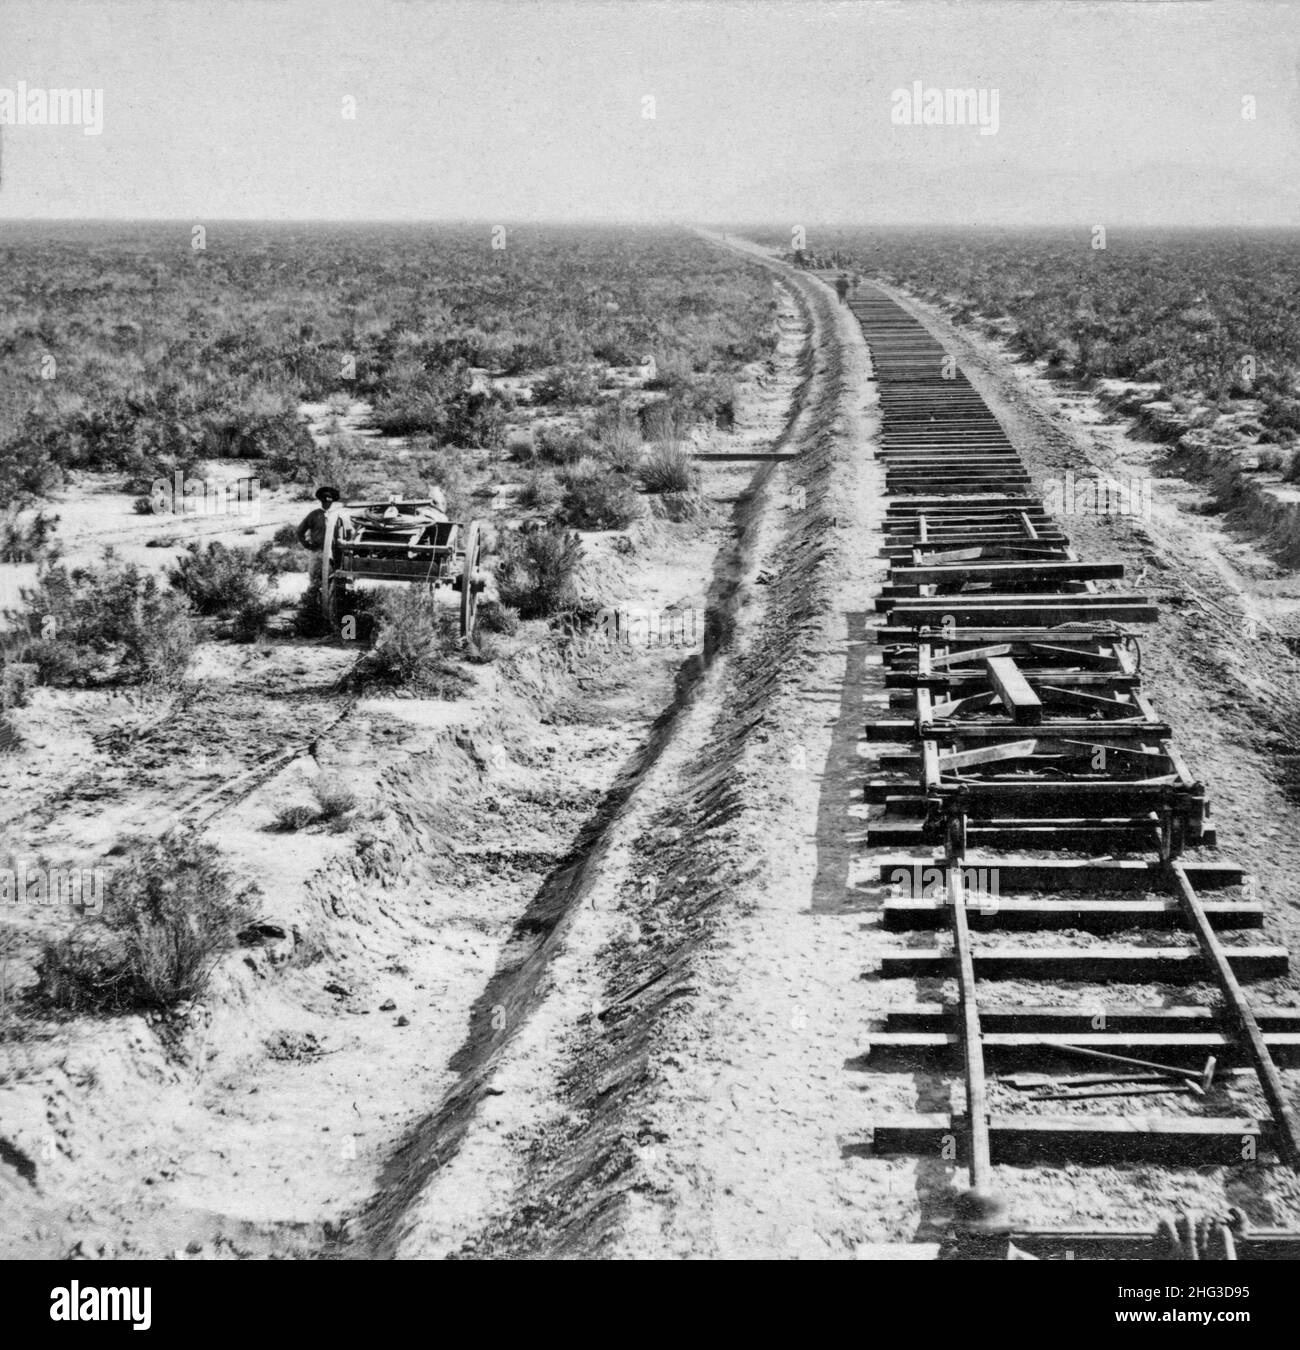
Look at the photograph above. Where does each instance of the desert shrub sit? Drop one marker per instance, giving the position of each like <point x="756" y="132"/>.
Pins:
<point x="10" y="740"/>
<point x="250" y="619"/>
<point x="16" y="681"/>
<point x="415" y="641"/>
<point x="309" y="619"/>
<point x="411" y="412"/>
<point x="336" y="462"/>
<point x="286" y="537"/>
<point x="25" y="473"/>
<point x="243" y="433"/>
<point x="445" y="405"/>
<point x="272" y="557"/>
<point x="595" y="498"/>
<point x="668" y="468"/>
<point x="1281" y="413"/>
<point x="619" y="444"/>
<point x="113" y="623"/>
<point x="28" y="538"/>
<point x="291" y="818"/>
<point x="567" y="386"/>
<point x="536" y="570"/>
<point x="494" y="617"/>
<point x="562" y="445"/>
<point x="170" y="913"/>
<point x="540" y="491"/>
<point x="218" y="579"/>
<point x="334" y="800"/>
<point x="446" y="469"/>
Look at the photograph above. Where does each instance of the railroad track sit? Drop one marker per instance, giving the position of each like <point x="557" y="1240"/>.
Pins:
<point x="1037" y="789"/>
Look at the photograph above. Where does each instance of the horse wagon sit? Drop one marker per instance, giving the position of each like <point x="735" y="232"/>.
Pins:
<point x="410" y="541"/>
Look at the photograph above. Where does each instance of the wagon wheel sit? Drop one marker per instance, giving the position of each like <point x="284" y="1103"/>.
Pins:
<point x="332" y="587"/>
<point x="470" y="581"/>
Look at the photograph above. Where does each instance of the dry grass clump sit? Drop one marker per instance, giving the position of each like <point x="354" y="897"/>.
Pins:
<point x="170" y="914"/>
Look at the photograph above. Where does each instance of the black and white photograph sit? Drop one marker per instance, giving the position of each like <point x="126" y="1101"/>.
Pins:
<point x="649" y="630"/>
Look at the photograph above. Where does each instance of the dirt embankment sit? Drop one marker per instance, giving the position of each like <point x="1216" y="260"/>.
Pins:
<point x="615" y="1131"/>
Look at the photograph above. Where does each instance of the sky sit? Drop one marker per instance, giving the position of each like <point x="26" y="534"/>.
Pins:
<point x="655" y="110"/>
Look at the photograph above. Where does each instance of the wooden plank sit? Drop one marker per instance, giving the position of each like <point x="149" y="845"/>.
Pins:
<point x="1013" y="689"/>
<point x="1014" y="612"/>
<point x="1093" y="964"/>
<point x="1068" y="1023"/>
<point x="1096" y="660"/>
<point x="894" y="634"/>
<point x="1092" y="1139"/>
<point x="970" y="654"/>
<point x="1040" y="1047"/>
<point x="1055" y="694"/>
<point x="986" y="754"/>
<point x="977" y="1124"/>
<point x="967" y="703"/>
<point x="1221" y="959"/>
<point x="1139" y="1245"/>
<point x="1053" y="874"/>
<point x="1092" y="916"/>
<point x="1034" y="599"/>
<point x="1137" y="752"/>
<point x="1047" y="570"/>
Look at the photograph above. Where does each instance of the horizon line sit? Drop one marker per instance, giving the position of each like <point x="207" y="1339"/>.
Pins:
<point x="635" y="223"/>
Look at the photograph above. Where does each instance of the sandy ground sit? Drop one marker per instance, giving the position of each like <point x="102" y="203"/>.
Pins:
<point x="269" y="1119"/>
<point x="593" y="973"/>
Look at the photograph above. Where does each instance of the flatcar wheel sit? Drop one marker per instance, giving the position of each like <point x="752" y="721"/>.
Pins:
<point x="469" y="580"/>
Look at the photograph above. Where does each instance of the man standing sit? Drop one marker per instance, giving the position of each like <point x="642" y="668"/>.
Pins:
<point x="842" y="286"/>
<point x="311" y="533"/>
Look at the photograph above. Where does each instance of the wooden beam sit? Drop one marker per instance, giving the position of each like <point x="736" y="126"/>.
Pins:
<point x="970" y="654"/>
<point x="1137" y="1245"/>
<point x="986" y="754"/>
<point x="1093" y="964"/>
<point x="1013" y="689"/>
<point x="1114" y="1138"/>
<point x="981" y="1171"/>
<point x="1036" y="1048"/>
<point x="1010" y="611"/>
<point x="1090" y="916"/>
<point x="1047" y="570"/>
<point x="1284" y="1118"/>
<point x="1052" y="874"/>
<point x="1068" y="1022"/>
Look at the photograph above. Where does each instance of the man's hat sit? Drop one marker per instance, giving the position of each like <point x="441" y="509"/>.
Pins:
<point x="324" y="492"/>
<point x="981" y="1214"/>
